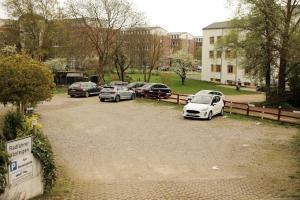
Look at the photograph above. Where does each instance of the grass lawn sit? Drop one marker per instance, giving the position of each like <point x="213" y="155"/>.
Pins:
<point x="191" y="86"/>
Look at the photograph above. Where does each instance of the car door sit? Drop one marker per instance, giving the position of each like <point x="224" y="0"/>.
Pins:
<point x="217" y="105"/>
<point x="121" y="92"/>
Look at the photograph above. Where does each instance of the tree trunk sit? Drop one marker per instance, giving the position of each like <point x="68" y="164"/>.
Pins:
<point x="182" y="80"/>
<point x="101" y="72"/>
<point x="149" y="74"/>
<point x="122" y="75"/>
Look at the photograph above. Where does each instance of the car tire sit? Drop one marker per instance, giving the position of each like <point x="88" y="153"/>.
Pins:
<point x="222" y="112"/>
<point x="117" y="99"/>
<point x="209" y="117"/>
<point x="132" y="97"/>
<point x="86" y="94"/>
<point x="102" y="100"/>
<point x="72" y="96"/>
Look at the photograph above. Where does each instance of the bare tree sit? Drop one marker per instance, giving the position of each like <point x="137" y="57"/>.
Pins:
<point x="102" y="21"/>
<point x="35" y="24"/>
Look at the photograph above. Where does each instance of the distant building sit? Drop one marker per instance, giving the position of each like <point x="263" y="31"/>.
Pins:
<point x="182" y="41"/>
<point x="220" y="64"/>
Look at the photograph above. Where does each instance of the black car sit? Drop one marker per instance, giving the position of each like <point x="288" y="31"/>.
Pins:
<point x="134" y="85"/>
<point x="154" y="90"/>
<point x="84" y="89"/>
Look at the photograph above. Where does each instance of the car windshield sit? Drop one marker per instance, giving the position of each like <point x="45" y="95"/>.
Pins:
<point x="131" y="85"/>
<point x="147" y="86"/>
<point x="202" y="99"/>
<point x="79" y="85"/>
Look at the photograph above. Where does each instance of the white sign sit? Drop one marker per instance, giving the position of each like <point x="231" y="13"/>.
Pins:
<point x="20" y="169"/>
<point x="19" y="148"/>
<point x="21" y="160"/>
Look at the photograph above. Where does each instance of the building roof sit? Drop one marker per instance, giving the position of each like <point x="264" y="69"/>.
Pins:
<point x="218" y="25"/>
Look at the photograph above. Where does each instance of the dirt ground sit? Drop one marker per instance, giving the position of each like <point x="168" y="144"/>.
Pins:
<point x="131" y="150"/>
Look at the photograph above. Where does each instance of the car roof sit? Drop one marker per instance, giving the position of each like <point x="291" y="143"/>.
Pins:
<point x="208" y="91"/>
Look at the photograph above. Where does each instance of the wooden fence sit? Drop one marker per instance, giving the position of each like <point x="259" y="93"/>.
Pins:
<point x="278" y="114"/>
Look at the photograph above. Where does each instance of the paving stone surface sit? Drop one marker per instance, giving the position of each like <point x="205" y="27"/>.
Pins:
<point x="130" y="150"/>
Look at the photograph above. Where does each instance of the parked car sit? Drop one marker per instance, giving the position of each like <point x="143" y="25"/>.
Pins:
<point x="85" y="89"/>
<point x="154" y="90"/>
<point x="121" y="83"/>
<point x="134" y="85"/>
<point x="204" y="106"/>
<point x="190" y="97"/>
<point x="116" y="93"/>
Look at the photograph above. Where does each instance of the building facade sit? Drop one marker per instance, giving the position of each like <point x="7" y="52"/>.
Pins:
<point x="221" y="64"/>
<point x="182" y="41"/>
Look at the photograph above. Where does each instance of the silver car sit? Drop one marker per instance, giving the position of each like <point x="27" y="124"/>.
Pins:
<point x="116" y="93"/>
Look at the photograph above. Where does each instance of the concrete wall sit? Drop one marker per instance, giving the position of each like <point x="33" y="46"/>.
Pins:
<point x="28" y="189"/>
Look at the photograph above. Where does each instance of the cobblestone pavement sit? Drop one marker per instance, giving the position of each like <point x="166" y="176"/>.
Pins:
<point x="131" y="150"/>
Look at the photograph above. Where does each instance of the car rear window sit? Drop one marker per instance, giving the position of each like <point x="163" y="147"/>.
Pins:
<point x="108" y="89"/>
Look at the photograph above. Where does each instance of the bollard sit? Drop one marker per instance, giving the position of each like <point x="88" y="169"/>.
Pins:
<point x="230" y="107"/>
<point x="279" y="113"/>
<point x="263" y="112"/>
<point x="248" y="109"/>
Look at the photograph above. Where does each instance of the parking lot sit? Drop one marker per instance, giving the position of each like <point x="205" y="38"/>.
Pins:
<point x="136" y="150"/>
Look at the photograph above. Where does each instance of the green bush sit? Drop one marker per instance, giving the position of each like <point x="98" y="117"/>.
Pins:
<point x="18" y="126"/>
<point x="13" y="122"/>
<point x="41" y="149"/>
<point x="3" y="163"/>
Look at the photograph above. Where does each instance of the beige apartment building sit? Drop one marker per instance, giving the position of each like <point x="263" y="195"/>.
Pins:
<point x="219" y="64"/>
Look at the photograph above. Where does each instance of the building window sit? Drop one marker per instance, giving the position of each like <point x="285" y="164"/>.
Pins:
<point x="219" y="54"/>
<point x="218" y="68"/>
<point x="212" y="40"/>
<point x="217" y="80"/>
<point x="211" y="54"/>
<point x="230" y="69"/>
<point x="212" y="79"/>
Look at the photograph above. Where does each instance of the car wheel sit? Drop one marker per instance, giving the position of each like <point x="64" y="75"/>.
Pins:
<point x="132" y="97"/>
<point x="209" y="115"/>
<point x="117" y="99"/>
<point x="222" y="112"/>
<point x="102" y="100"/>
<point x="72" y="96"/>
<point x="86" y="94"/>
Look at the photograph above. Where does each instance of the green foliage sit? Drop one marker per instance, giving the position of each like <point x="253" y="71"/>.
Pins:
<point x="24" y="81"/>
<point x="165" y="78"/>
<point x="13" y="121"/>
<point x="3" y="163"/>
<point x="41" y="149"/>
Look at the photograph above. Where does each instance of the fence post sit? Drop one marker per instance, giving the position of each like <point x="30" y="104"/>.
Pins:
<point x="248" y="109"/>
<point x="279" y="113"/>
<point x="178" y="101"/>
<point x="230" y="107"/>
<point x="263" y="112"/>
<point x="158" y="95"/>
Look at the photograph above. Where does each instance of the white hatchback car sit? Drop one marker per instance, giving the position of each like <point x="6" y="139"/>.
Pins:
<point x="204" y="106"/>
<point x="213" y="92"/>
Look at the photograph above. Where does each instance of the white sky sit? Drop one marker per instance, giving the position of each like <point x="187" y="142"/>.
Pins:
<point x="179" y="15"/>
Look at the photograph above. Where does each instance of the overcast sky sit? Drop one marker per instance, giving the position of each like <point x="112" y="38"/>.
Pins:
<point x="179" y="15"/>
